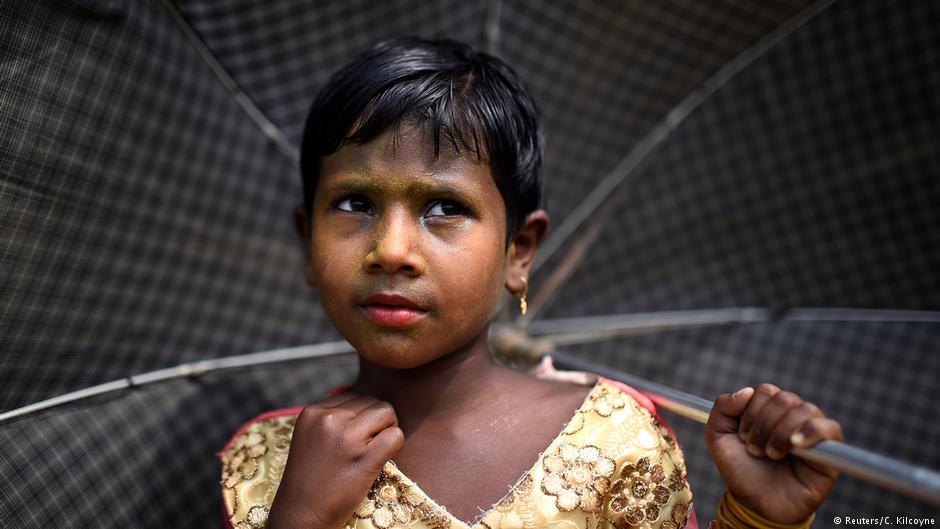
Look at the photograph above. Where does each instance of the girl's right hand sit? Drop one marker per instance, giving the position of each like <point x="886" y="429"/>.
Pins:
<point x="338" y="448"/>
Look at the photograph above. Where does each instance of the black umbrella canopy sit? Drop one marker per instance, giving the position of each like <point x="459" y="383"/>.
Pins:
<point x="149" y="172"/>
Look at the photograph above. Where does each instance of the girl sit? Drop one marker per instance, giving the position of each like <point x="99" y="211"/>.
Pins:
<point x="421" y="165"/>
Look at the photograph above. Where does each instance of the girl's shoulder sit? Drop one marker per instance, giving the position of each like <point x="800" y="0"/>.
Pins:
<point x="617" y="459"/>
<point x="253" y="462"/>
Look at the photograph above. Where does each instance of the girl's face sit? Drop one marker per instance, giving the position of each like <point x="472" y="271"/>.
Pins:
<point x="408" y="249"/>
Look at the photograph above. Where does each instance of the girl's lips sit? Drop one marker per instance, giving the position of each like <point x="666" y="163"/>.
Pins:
<point x="392" y="315"/>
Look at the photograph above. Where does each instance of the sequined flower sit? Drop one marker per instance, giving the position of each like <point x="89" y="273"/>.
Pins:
<point x="604" y="401"/>
<point x="577" y="477"/>
<point x="677" y="480"/>
<point x="389" y="501"/>
<point x="638" y="494"/>
<point x="678" y="516"/>
<point x="284" y="433"/>
<point x="257" y="518"/>
<point x="242" y="462"/>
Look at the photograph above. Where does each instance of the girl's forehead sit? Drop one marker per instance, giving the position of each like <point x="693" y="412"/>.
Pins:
<point x="405" y="162"/>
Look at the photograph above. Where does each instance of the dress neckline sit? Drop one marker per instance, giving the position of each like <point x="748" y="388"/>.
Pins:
<point x="393" y="468"/>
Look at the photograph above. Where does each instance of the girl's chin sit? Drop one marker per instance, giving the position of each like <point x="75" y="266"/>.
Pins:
<point x="395" y="355"/>
<point x="387" y="361"/>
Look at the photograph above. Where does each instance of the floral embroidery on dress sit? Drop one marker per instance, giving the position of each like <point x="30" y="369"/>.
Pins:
<point x="250" y="465"/>
<point x="604" y="401"/>
<point x="638" y="494"/>
<point x="390" y="500"/>
<point x="577" y="477"/>
<point x="520" y="489"/>
<point x="433" y="515"/>
<point x="284" y="433"/>
<point x="678" y="516"/>
<point x="575" y="425"/>
<point x="677" y="480"/>
<point x="242" y="463"/>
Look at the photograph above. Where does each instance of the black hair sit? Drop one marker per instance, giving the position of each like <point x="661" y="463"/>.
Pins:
<point x="473" y="99"/>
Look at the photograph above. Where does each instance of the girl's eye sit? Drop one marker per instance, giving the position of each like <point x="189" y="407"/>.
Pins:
<point x="356" y="204"/>
<point x="446" y="208"/>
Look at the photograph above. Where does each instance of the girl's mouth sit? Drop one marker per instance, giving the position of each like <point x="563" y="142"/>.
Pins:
<point x="392" y="315"/>
<point x="392" y="310"/>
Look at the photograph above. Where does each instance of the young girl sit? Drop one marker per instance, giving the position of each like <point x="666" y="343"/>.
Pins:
<point x="421" y="165"/>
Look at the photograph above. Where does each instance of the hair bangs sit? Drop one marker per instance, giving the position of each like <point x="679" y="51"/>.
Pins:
<point x="467" y="101"/>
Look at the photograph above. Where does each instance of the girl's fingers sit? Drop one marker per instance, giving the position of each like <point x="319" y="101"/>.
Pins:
<point x="762" y="395"/>
<point x="337" y="400"/>
<point x="726" y="410"/>
<point x="778" y="442"/>
<point x="372" y="420"/>
<point x="815" y="430"/>
<point x="357" y="404"/>
<point x="766" y="419"/>
<point x="383" y="447"/>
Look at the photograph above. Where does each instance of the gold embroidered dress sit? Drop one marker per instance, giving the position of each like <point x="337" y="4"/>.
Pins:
<point x="614" y="466"/>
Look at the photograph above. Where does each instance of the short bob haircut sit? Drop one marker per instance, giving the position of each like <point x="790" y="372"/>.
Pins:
<point x="474" y="100"/>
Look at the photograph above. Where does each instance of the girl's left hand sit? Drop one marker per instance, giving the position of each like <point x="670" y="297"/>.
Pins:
<point x="750" y="433"/>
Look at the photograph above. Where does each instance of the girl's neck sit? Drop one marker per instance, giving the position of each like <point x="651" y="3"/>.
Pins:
<point x="459" y="383"/>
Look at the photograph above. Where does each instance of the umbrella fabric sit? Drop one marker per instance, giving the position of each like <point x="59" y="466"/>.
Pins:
<point x="811" y="179"/>
<point x="144" y="458"/>
<point x="146" y="219"/>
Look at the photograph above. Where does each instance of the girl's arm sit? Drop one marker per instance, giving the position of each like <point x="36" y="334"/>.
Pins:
<point x="750" y="434"/>
<point x="338" y="448"/>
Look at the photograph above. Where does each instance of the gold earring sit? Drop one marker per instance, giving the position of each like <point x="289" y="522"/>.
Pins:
<point x="525" y="290"/>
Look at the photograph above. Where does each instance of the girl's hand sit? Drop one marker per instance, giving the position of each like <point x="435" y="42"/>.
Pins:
<point x="338" y="448"/>
<point x="750" y="433"/>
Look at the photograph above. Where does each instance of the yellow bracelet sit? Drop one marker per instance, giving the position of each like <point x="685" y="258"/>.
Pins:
<point x="733" y="515"/>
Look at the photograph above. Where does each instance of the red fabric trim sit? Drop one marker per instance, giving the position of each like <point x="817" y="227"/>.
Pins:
<point x="339" y="390"/>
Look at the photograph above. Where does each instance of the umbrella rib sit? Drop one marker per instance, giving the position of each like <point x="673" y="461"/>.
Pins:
<point x="188" y="370"/>
<point x="589" y="329"/>
<point x="640" y="153"/>
<point x="268" y="128"/>
<point x="568" y="331"/>
<point x="494" y="10"/>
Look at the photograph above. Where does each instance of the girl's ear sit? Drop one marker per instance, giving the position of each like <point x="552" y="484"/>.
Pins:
<point x="302" y="227"/>
<point x="522" y="249"/>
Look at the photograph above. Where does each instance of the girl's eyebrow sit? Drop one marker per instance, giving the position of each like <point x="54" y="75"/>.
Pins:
<point x="416" y="189"/>
<point x="361" y="186"/>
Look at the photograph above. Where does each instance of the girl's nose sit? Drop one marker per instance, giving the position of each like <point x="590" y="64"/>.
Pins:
<point x="393" y="249"/>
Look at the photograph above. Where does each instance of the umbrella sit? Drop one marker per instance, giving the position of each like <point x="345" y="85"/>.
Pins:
<point x="772" y="159"/>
